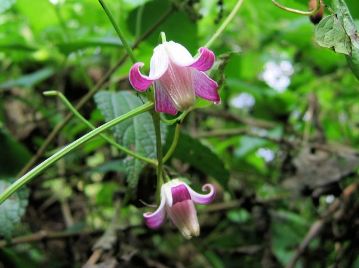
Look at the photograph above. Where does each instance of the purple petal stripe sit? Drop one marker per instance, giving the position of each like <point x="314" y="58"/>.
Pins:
<point x="163" y="101"/>
<point x="139" y="81"/>
<point x="203" y="199"/>
<point x="180" y="193"/>
<point x="205" y="60"/>
<point x="205" y="87"/>
<point x="154" y="220"/>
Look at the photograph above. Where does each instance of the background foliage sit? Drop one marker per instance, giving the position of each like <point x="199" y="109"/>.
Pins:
<point x="281" y="147"/>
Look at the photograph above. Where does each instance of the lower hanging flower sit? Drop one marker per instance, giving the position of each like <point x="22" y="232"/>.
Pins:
<point x="177" y="201"/>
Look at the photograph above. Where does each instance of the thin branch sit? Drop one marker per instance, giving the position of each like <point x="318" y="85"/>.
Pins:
<point x="318" y="225"/>
<point x="46" y="235"/>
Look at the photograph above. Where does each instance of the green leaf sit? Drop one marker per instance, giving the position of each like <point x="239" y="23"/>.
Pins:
<point x="137" y="133"/>
<point x="192" y="151"/>
<point x="29" y="80"/>
<point x="331" y="34"/>
<point x="68" y="47"/>
<point x="338" y="31"/>
<point x="12" y="209"/>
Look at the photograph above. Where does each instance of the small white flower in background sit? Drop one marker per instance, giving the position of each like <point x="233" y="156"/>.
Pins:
<point x="266" y="154"/>
<point x="57" y="2"/>
<point x="277" y="74"/>
<point x="329" y="199"/>
<point x="242" y="101"/>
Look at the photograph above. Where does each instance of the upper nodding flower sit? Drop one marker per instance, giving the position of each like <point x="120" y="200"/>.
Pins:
<point x="177" y="200"/>
<point x="177" y="76"/>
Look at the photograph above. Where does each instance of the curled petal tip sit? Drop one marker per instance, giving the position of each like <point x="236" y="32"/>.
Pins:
<point x="203" y="199"/>
<point x="138" y="80"/>
<point x="205" y="60"/>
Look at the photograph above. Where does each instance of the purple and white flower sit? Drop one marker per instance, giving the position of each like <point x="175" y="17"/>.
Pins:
<point x="177" y="201"/>
<point x="177" y="77"/>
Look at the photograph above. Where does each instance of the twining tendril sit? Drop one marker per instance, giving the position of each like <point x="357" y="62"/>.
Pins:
<point x="296" y="11"/>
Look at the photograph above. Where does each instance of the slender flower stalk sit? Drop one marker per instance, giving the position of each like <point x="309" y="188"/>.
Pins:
<point x="225" y="23"/>
<point x="104" y="136"/>
<point x="69" y="148"/>
<point x="118" y="30"/>
<point x="177" y="201"/>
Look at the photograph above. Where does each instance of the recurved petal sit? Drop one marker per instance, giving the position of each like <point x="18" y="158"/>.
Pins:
<point x="203" y="199"/>
<point x="139" y="81"/>
<point x="204" y="61"/>
<point x="205" y="87"/>
<point x="163" y="101"/>
<point x="155" y="219"/>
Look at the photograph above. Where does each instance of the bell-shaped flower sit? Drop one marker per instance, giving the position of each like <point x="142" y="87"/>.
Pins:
<point x="177" y="77"/>
<point x="177" y="201"/>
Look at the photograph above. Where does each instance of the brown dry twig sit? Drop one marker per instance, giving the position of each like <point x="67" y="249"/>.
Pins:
<point x="318" y="225"/>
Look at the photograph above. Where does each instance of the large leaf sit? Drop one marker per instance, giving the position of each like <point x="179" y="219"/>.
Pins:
<point x="137" y="133"/>
<point x="330" y="34"/>
<point x="192" y="151"/>
<point x="12" y="209"/>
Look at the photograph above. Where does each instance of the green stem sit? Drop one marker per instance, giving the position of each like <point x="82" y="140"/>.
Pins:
<point x="163" y="37"/>
<point x="178" y="119"/>
<point x="174" y="143"/>
<point x="104" y="136"/>
<point x="225" y="23"/>
<point x="156" y="123"/>
<point x="299" y="12"/>
<point x="67" y="149"/>
<point x="118" y="31"/>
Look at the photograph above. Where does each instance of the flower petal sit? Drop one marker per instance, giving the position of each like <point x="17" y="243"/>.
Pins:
<point x="179" y="194"/>
<point x="205" y="87"/>
<point x="179" y="54"/>
<point x="163" y="101"/>
<point x="158" y="66"/>
<point x="159" y="62"/>
<point x="184" y="216"/>
<point x="139" y="81"/>
<point x="155" y="219"/>
<point x="205" y="60"/>
<point x="203" y="199"/>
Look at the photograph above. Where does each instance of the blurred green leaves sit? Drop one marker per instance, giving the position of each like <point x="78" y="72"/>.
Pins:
<point x="13" y="155"/>
<point x="192" y="151"/>
<point x="29" y="80"/>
